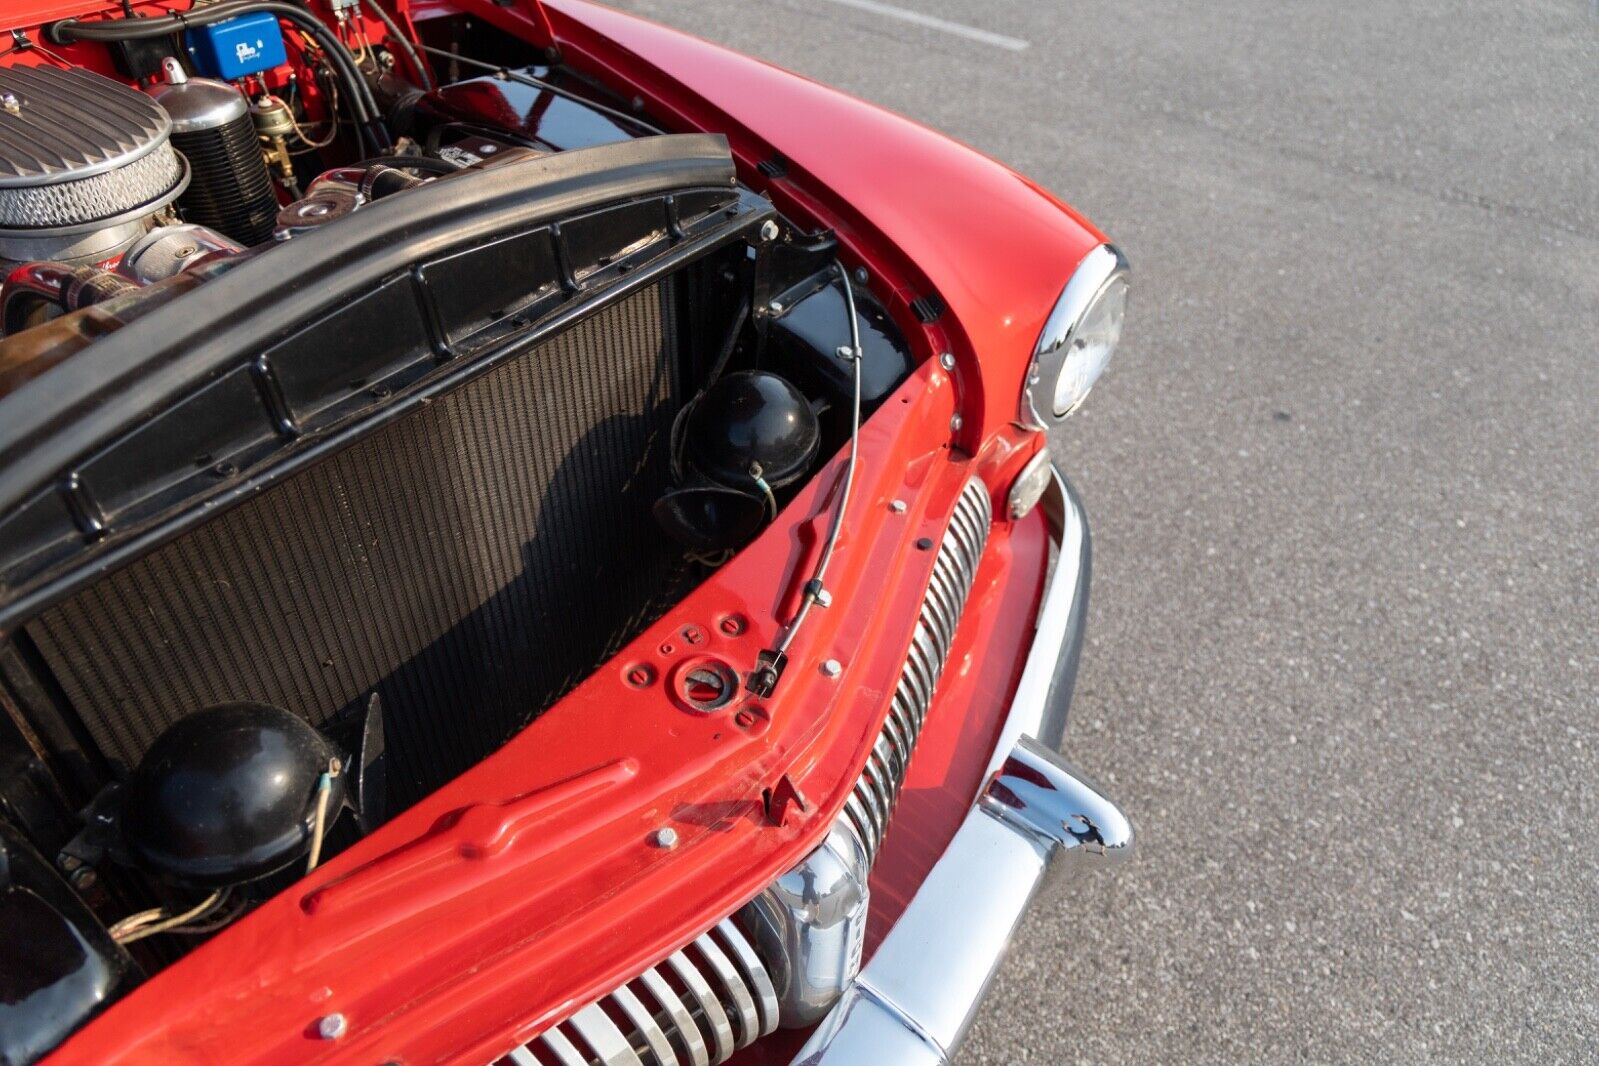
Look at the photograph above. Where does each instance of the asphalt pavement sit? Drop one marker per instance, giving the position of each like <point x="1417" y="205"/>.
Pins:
<point x="1343" y="479"/>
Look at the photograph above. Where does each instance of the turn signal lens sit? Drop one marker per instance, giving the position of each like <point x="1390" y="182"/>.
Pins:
<point x="1029" y="486"/>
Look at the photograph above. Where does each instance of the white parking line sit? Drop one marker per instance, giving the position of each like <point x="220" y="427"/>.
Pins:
<point x="971" y="33"/>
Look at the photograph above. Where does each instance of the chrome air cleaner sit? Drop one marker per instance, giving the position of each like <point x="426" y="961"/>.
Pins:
<point x="84" y="162"/>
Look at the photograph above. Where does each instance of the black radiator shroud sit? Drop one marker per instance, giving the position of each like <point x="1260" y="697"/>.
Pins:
<point x="470" y="562"/>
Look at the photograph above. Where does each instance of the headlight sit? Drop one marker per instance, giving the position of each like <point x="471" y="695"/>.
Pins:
<point x="1078" y="339"/>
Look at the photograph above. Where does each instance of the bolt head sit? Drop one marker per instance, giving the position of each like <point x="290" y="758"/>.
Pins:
<point x="831" y="668"/>
<point x="775" y="307"/>
<point x="956" y="422"/>
<point x="824" y="598"/>
<point x="947" y="361"/>
<point x="665" y="837"/>
<point x="845" y="352"/>
<point x="861" y="276"/>
<point x="331" y="1026"/>
<point x="897" y="506"/>
<point x="769" y="231"/>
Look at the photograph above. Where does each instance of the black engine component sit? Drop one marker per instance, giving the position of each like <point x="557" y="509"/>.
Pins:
<point x="803" y="343"/>
<point x="60" y="967"/>
<point x="228" y="795"/>
<point x="751" y="425"/>
<point x="230" y="190"/>
<point x="746" y="436"/>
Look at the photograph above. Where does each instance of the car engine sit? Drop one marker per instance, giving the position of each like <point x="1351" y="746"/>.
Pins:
<point x="353" y="409"/>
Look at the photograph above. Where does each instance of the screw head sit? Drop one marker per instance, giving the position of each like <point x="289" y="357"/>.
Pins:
<point x="955" y="422"/>
<point x="947" y="360"/>
<point x="331" y="1026"/>
<point x="831" y="668"/>
<point x="768" y="231"/>
<point x="897" y="506"/>
<point x="665" y="837"/>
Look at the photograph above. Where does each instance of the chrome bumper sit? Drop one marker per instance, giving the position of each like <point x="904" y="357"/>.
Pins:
<point x="1035" y="817"/>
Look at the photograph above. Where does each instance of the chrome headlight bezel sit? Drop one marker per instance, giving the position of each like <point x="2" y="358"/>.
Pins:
<point x="1102" y="270"/>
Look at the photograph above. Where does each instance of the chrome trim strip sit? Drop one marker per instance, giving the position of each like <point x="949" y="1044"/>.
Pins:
<point x="1034" y="817"/>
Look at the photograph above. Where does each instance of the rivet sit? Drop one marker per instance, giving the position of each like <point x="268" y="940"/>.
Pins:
<point x="832" y="668"/>
<point x="947" y="361"/>
<point x="898" y="506"/>
<point x="665" y="837"/>
<point x="331" y="1026"/>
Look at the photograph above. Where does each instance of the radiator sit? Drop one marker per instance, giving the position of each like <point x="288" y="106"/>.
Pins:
<point x="470" y="563"/>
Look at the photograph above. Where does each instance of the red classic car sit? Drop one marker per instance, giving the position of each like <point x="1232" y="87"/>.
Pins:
<point x="525" y="536"/>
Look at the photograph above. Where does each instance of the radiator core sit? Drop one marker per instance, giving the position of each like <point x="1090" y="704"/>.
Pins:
<point x="470" y="562"/>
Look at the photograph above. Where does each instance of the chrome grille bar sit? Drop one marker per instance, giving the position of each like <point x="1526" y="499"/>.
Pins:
<point x="954" y="569"/>
<point x="695" y="1008"/>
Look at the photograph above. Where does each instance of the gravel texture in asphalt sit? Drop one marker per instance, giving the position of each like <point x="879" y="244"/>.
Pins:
<point x="1343" y="477"/>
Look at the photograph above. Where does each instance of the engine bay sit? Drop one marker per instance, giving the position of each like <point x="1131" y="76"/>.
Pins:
<point x="363" y="389"/>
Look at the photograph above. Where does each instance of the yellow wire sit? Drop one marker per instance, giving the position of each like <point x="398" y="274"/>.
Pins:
<point x="123" y="933"/>
<point x="324" y="786"/>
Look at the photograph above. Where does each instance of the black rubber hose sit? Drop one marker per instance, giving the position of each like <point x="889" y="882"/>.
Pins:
<point x="411" y="162"/>
<point x="402" y="42"/>
<point x="69" y="30"/>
